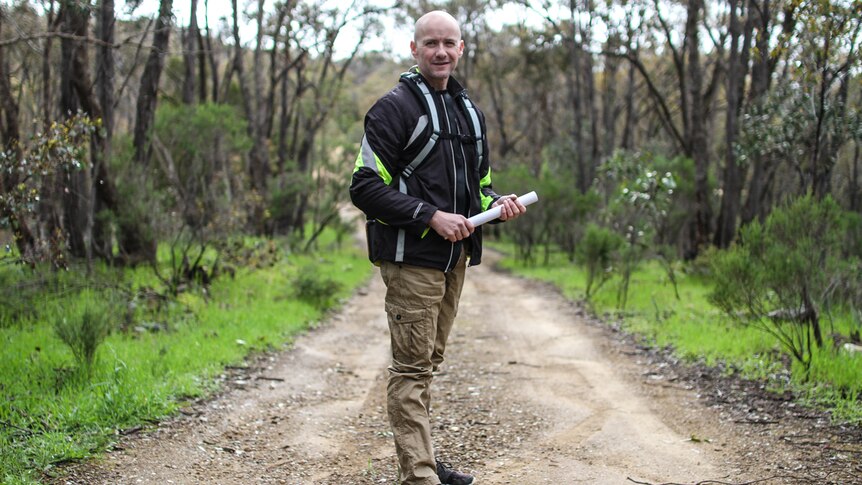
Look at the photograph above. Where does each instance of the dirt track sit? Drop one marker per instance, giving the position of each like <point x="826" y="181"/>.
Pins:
<point x="531" y="393"/>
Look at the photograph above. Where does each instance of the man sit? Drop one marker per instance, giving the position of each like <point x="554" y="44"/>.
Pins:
<point x="419" y="175"/>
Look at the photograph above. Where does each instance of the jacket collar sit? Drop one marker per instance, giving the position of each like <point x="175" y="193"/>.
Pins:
<point x="453" y="86"/>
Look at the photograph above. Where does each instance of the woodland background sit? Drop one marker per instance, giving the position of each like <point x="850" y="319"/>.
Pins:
<point x="122" y="133"/>
<point x="172" y="187"/>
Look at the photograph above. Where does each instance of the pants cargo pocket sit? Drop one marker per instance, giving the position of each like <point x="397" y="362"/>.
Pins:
<point x="410" y="332"/>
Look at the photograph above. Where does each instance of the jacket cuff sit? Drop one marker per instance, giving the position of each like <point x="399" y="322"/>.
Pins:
<point x="426" y="212"/>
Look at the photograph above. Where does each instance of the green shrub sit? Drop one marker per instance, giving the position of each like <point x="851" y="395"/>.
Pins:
<point x="84" y="326"/>
<point x="597" y="252"/>
<point x="315" y="289"/>
<point x="780" y="277"/>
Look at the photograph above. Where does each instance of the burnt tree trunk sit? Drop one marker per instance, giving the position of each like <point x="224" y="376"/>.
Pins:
<point x="136" y="244"/>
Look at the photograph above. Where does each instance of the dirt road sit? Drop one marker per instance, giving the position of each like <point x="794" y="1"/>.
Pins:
<point x="531" y="393"/>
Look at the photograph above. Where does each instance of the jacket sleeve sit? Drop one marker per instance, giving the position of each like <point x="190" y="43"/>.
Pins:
<point x="374" y="186"/>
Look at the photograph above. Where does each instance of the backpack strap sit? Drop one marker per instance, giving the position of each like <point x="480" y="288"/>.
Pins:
<point x="470" y="108"/>
<point x="420" y="88"/>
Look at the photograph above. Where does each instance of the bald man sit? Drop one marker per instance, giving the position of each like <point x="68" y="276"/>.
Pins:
<point x="422" y="170"/>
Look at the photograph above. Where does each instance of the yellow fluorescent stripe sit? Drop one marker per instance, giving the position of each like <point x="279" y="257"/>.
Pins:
<point x="381" y="170"/>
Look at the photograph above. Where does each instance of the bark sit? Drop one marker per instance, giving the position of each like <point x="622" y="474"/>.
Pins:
<point x="189" y="57"/>
<point x="762" y="67"/>
<point x="732" y="178"/>
<point x="136" y="243"/>
<point x="47" y="103"/>
<point x="274" y="71"/>
<point x="609" y="97"/>
<point x="202" y="67"/>
<point x="148" y="91"/>
<point x="11" y="135"/>
<point x="258" y="162"/>
<point x="214" y="66"/>
<point x="628" y="140"/>
<point x="78" y="201"/>
<point x="105" y="195"/>
<point x="698" y="148"/>
<point x="855" y="185"/>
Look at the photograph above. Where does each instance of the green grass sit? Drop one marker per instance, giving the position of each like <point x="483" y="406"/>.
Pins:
<point x="52" y="412"/>
<point x="698" y="331"/>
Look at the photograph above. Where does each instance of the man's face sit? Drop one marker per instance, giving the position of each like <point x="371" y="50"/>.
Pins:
<point x="437" y="47"/>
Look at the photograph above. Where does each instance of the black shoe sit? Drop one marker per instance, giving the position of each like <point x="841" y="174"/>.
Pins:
<point x="448" y="476"/>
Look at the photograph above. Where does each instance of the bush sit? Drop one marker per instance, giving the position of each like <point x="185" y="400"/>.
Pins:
<point x="597" y="252"/>
<point x="315" y="289"/>
<point x="84" y="327"/>
<point x="780" y="277"/>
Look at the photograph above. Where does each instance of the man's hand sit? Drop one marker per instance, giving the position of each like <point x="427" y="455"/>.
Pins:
<point x="451" y="227"/>
<point x="510" y="207"/>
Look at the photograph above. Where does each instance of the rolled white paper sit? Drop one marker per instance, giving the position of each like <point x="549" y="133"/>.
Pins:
<point x="494" y="212"/>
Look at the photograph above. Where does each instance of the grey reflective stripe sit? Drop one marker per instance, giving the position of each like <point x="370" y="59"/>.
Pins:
<point x="435" y="126"/>
<point x="408" y="170"/>
<point x="420" y="125"/>
<point x="399" y="246"/>
<point x="477" y="127"/>
<point x="368" y="155"/>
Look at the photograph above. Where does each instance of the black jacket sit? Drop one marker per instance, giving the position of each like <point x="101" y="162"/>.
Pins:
<point x="398" y="223"/>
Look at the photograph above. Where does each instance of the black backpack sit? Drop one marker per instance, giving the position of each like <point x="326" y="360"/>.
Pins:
<point x="420" y="88"/>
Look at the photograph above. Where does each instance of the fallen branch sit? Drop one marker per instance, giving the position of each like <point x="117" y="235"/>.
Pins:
<point x="7" y="424"/>
<point x="267" y="378"/>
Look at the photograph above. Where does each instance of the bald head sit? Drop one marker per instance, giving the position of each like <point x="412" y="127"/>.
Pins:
<point x="438" y="19"/>
<point x="437" y="46"/>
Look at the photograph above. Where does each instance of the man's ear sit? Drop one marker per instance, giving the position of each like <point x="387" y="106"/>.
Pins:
<point x="460" y="47"/>
<point x="413" y="49"/>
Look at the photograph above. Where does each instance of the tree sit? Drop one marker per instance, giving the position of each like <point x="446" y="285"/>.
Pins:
<point x="136" y="244"/>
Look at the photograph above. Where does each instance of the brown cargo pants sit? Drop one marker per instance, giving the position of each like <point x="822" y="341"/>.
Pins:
<point x="421" y="304"/>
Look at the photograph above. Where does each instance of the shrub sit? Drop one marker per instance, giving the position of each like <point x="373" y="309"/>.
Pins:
<point x="781" y="275"/>
<point x="84" y="326"/>
<point x="597" y="252"/>
<point x="315" y="289"/>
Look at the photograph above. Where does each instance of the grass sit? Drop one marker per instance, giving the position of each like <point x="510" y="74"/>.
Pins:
<point x="53" y="412"/>
<point x="698" y="331"/>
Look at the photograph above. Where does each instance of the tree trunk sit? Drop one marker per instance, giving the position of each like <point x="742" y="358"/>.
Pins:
<point x="628" y="139"/>
<point x="761" y="71"/>
<point x="211" y="54"/>
<point x="732" y="180"/>
<point x="698" y="141"/>
<point x="11" y="136"/>
<point x="202" y="67"/>
<point x="189" y="58"/>
<point x="258" y="164"/>
<point x="136" y="244"/>
<point x="77" y="224"/>
<point x="148" y="92"/>
<point x="105" y="74"/>
<point x="609" y="97"/>
<point x="855" y="186"/>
